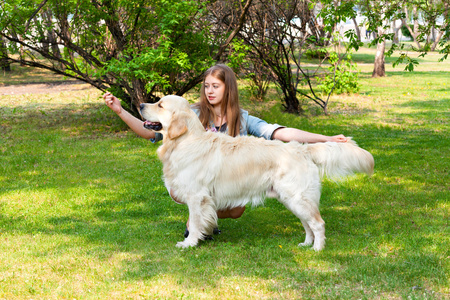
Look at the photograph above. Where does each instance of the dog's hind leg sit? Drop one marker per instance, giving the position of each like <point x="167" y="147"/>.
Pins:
<point x="202" y="220"/>
<point x="317" y="226"/>
<point x="308" y="212"/>
<point x="309" y="239"/>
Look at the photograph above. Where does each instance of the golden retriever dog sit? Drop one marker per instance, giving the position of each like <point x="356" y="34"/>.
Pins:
<point x="213" y="171"/>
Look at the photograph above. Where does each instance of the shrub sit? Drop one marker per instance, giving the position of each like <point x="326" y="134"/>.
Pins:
<point x="317" y="53"/>
<point x="342" y="76"/>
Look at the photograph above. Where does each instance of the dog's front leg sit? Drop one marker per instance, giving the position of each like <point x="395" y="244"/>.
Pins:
<point x="202" y="220"/>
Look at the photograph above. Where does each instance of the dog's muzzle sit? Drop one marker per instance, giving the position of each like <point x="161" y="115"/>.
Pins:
<point x="152" y="125"/>
<point x="156" y="126"/>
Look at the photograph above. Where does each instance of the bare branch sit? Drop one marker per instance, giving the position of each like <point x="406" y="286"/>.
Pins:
<point x="235" y="30"/>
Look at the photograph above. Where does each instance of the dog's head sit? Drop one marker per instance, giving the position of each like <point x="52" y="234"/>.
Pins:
<point x="168" y="116"/>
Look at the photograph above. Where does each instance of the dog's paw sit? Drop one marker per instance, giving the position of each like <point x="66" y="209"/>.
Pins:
<point x="305" y="244"/>
<point x="181" y="245"/>
<point x="309" y="240"/>
<point x="185" y="244"/>
<point x="319" y="244"/>
<point x="318" y="248"/>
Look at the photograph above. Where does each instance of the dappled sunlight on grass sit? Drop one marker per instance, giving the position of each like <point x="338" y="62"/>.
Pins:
<point x="319" y="265"/>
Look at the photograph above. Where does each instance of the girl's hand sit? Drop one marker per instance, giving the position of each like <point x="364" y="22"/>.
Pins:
<point x="338" y="138"/>
<point x="113" y="103"/>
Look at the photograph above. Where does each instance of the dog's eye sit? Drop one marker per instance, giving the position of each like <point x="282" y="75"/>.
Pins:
<point x="159" y="105"/>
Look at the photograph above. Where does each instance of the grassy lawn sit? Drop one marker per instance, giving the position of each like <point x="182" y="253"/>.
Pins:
<point x="84" y="213"/>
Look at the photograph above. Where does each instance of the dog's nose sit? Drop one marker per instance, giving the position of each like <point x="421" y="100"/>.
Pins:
<point x="141" y="106"/>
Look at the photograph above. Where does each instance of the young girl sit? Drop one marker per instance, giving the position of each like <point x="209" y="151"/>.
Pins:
<point x="218" y="110"/>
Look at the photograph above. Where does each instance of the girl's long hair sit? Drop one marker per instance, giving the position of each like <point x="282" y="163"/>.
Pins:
<point x="230" y="102"/>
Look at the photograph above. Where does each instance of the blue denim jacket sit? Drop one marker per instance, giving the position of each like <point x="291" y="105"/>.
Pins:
<point x="249" y="125"/>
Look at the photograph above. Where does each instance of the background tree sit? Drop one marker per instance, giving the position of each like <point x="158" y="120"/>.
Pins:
<point x="247" y="65"/>
<point x="279" y="34"/>
<point x="426" y="22"/>
<point x="379" y="13"/>
<point x="339" y="75"/>
<point x="411" y="22"/>
<point x="137" y="49"/>
<point x="270" y="35"/>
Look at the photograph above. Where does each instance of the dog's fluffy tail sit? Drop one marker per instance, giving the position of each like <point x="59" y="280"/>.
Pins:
<point x="337" y="160"/>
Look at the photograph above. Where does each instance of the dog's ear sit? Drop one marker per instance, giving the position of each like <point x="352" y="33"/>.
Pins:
<point x="178" y="126"/>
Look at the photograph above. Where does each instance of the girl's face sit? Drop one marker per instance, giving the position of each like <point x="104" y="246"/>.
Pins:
<point x="214" y="90"/>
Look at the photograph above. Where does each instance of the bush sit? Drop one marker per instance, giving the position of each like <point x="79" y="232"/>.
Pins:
<point x="342" y="76"/>
<point x="318" y="53"/>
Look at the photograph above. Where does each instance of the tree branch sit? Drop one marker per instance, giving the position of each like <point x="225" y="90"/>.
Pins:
<point x="34" y="14"/>
<point x="235" y="31"/>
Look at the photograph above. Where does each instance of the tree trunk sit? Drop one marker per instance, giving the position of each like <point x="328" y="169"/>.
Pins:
<point x="5" y="65"/>
<point x="415" y="30"/>
<point x="396" y="31"/>
<point x="358" y="32"/>
<point x="139" y="95"/>
<point x="292" y="105"/>
<point x="437" y="40"/>
<point x="378" y="69"/>
<point x="441" y="29"/>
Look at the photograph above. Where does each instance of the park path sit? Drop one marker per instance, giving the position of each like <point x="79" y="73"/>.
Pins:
<point x="43" y="88"/>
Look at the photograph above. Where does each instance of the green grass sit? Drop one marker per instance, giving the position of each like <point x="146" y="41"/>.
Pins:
<point x="84" y="213"/>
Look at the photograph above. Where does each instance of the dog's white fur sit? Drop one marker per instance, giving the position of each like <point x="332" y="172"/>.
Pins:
<point x="213" y="171"/>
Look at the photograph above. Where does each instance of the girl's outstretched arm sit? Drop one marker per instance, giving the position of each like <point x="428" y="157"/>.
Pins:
<point x="292" y="134"/>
